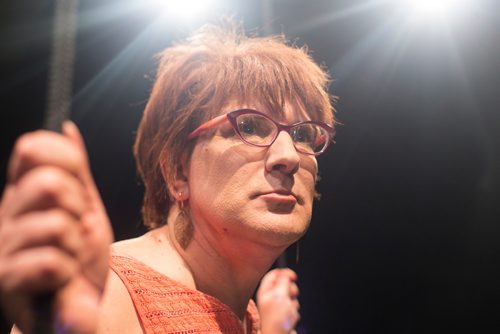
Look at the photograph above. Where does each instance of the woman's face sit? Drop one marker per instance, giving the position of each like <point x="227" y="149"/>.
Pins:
<point x="257" y="194"/>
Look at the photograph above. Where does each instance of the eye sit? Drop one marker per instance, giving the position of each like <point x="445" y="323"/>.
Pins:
<point x="247" y="125"/>
<point x="305" y="133"/>
<point x="255" y="126"/>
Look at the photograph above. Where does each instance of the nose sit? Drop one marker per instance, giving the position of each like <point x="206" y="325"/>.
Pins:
<point x="282" y="155"/>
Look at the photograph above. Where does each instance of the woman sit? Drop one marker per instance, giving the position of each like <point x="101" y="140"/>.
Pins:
<point x="227" y="152"/>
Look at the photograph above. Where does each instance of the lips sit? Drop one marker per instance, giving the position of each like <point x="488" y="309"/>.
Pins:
<point x="280" y="195"/>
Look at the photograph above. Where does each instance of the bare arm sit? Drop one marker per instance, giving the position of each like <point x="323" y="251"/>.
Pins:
<point x="117" y="315"/>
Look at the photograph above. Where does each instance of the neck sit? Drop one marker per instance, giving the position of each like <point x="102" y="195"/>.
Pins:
<point x="223" y="267"/>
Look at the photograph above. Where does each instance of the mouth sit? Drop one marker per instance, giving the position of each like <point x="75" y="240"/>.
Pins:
<point x="280" y="196"/>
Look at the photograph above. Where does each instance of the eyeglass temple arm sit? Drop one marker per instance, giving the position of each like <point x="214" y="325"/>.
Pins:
<point x="205" y="126"/>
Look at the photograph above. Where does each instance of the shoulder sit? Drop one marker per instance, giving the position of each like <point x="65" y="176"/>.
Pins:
<point x="128" y="246"/>
<point x="156" y="251"/>
<point x="140" y="248"/>
<point x="117" y="313"/>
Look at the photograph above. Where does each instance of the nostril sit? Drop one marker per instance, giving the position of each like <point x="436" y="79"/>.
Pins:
<point x="279" y="167"/>
<point x="288" y="169"/>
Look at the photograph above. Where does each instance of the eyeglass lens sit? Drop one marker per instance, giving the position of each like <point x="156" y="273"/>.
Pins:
<point x="259" y="130"/>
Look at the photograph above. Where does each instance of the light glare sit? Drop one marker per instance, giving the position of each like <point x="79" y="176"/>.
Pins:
<point x="434" y="9"/>
<point x="182" y="9"/>
<point x="431" y="7"/>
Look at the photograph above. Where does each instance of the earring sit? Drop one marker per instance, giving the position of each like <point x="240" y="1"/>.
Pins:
<point x="180" y="200"/>
<point x="183" y="226"/>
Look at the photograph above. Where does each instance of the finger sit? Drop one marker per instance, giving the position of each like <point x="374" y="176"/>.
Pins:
<point x="95" y="222"/>
<point x="278" y="285"/>
<point x="272" y="277"/>
<point x="37" y="270"/>
<point x="43" y="228"/>
<point x="71" y="131"/>
<point x="43" y="148"/>
<point x="296" y="317"/>
<point x="91" y="224"/>
<point x="292" y="275"/>
<point x="293" y="290"/>
<point x="7" y="194"/>
<point x="269" y="280"/>
<point x="47" y="187"/>
<point x="290" y="321"/>
<point x="285" y="286"/>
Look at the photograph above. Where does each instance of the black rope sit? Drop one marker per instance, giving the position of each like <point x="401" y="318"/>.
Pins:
<point x="60" y="81"/>
<point x="60" y="87"/>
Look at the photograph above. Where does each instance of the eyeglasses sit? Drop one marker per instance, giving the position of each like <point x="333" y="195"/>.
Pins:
<point x="257" y="129"/>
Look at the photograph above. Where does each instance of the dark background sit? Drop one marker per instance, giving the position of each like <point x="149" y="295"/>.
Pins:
<point x="406" y="237"/>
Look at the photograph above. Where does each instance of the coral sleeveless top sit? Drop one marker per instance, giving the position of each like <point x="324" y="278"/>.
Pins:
<point x="166" y="306"/>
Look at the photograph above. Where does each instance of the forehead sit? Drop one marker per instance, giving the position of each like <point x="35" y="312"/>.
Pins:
<point x="288" y="113"/>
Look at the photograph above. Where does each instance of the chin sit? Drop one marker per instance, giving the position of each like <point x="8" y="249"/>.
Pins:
<point x="285" y="230"/>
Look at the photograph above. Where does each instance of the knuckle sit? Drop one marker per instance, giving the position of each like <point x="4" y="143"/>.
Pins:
<point x="24" y="144"/>
<point x="51" y="264"/>
<point x="7" y="234"/>
<point x="28" y="273"/>
<point x="49" y="183"/>
<point x="24" y="148"/>
<point x="29" y="147"/>
<point x="58" y="225"/>
<point x="49" y="269"/>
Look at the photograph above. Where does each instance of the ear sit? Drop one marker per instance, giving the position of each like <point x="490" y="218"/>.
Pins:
<point x="179" y="188"/>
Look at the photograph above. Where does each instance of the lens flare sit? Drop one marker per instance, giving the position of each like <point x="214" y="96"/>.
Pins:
<point x="183" y="10"/>
<point x="434" y="8"/>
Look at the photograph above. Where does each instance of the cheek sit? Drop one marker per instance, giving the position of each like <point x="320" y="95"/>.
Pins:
<point x="214" y="172"/>
<point x="205" y="171"/>
<point x="308" y="173"/>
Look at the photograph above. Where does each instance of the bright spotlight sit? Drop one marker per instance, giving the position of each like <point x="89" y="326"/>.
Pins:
<point x="184" y="10"/>
<point x="434" y="9"/>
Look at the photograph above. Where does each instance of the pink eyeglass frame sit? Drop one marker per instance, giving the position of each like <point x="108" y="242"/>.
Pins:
<point x="231" y="116"/>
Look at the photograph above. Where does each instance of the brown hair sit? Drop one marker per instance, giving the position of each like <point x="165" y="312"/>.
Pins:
<point x="198" y="77"/>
